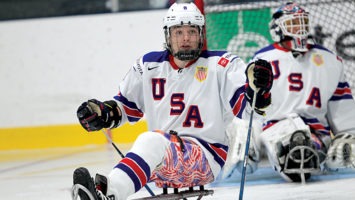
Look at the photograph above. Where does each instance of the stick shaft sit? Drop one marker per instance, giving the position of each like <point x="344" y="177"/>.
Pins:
<point x="246" y="153"/>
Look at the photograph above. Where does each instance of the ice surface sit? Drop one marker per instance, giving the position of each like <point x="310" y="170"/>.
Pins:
<point x="47" y="174"/>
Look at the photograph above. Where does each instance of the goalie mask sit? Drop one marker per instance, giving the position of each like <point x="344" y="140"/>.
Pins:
<point x="180" y="14"/>
<point x="290" y="25"/>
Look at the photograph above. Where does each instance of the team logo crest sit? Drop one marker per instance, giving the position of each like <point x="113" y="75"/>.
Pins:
<point x="318" y="59"/>
<point x="201" y="73"/>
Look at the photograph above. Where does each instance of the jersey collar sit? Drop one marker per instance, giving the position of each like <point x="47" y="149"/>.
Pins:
<point x="279" y="47"/>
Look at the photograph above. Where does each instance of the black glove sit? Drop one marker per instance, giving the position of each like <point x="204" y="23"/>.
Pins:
<point x="259" y="74"/>
<point x="94" y="115"/>
<point x="260" y="77"/>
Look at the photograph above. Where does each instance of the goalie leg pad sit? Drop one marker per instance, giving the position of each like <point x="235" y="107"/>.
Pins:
<point x="289" y="149"/>
<point x="341" y="153"/>
<point x="237" y="132"/>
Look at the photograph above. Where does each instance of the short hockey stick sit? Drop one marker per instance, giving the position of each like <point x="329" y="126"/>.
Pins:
<point x="246" y="153"/>
<point x="122" y="156"/>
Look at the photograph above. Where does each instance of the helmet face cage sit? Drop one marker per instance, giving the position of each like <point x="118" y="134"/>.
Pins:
<point x="296" y="25"/>
<point x="185" y="55"/>
<point x="184" y="14"/>
<point x="291" y="23"/>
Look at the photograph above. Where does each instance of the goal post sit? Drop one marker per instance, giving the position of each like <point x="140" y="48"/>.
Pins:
<point x="242" y="28"/>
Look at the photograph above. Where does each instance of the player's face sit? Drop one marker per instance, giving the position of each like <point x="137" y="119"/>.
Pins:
<point x="297" y="25"/>
<point x="184" y="38"/>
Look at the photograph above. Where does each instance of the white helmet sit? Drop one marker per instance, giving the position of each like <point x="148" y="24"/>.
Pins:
<point x="291" y="16"/>
<point x="184" y="14"/>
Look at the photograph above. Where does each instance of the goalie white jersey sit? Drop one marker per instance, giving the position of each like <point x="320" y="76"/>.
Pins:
<point x="184" y="100"/>
<point x="313" y="85"/>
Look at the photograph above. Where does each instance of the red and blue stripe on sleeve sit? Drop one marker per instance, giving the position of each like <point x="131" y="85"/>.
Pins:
<point x="343" y="91"/>
<point x="238" y="102"/>
<point x="132" y="111"/>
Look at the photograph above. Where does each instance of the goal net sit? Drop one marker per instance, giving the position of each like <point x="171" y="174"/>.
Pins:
<point x="242" y="27"/>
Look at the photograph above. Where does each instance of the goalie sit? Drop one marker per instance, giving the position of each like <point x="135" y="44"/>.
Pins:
<point x="311" y="102"/>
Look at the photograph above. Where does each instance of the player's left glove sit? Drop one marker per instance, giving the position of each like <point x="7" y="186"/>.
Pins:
<point x="341" y="153"/>
<point x="260" y="77"/>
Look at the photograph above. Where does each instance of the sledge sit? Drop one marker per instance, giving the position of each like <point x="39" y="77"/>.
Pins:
<point x="176" y="195"/>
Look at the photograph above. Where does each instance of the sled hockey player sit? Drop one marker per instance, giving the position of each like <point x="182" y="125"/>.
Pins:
<point x="311" y="121"/>
<point x="188" y="97"/>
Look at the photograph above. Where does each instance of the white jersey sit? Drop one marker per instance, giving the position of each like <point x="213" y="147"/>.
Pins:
<point x="313" y="86"/>
<point x="196" y="101"/>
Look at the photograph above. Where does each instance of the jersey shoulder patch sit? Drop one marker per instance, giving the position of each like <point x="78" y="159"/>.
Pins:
<point x="223" y="62"/>
<point x="225" y="59"/>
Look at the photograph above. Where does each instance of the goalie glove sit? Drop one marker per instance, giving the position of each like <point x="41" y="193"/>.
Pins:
<point x="259" y="77"/>
<point x="341" y="153"/>
<point x="94" y="115"/>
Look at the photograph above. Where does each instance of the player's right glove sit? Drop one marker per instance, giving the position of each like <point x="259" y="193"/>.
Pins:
<point x="259" y="77"/>
<point x="94" y="115"/>
<point x="341" y="153"/>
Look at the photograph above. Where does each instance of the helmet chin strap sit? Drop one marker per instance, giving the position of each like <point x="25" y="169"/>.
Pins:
<point x="187" y="55"/>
